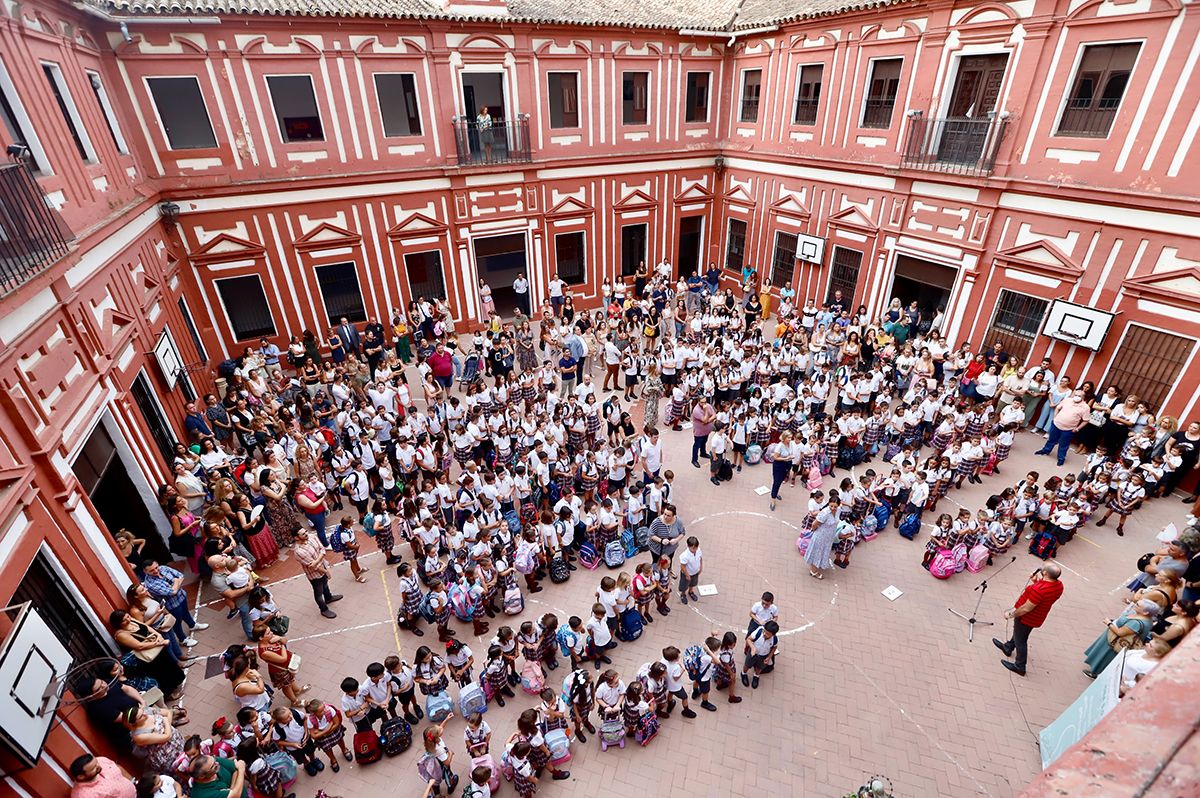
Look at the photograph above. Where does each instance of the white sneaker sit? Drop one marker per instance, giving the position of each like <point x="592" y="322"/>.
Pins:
<point x="200" y="627"/>
<point x="190" y="642"/>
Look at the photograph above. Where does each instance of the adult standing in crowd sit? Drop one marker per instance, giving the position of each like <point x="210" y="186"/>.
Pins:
<point x="311" y="556"/>
<point x="99" y="777"/>
<point x="703" y="417"/>
<point x="1029" y="613"/>
<point x="1070" y="416"/>
<point x="351" y="340"/>
<point x="666" y="533"/>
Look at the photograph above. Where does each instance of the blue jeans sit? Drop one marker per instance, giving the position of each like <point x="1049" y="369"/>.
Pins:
<point x="318" y="522"/>
<point x="1061" y="437"/>
<point x="183" y="621"/>
<point x="1043" y="422"/>
<point x="243" y="610"/>
<point x="699" y="447"/>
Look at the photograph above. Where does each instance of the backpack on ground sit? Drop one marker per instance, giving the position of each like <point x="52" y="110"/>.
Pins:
<point x="396" y="736"/>
<point x="367" y="747"/>
<point x="425" y="609"/>
<point x="883" y="514"/>
<point x="977" y="558"/>
<point x="942" y="564"/>
<point x="532" y="679"/>
<point x="691" y="662"/>
<point x="471" y="699"/>
<point x="567" y="640"/>
<point x="754" y="454"/>
<point x="628" y="543"/>
<point x="1044" y="545"/>
<point x="641" y="538"/>
<point x="559" y="745"/>
<point x="514" y="602"/>
<point x="725" y="472"/>
<point x="614" y="554"/>
<point x="868" y="529"/>
<point x="438" y="706"/>
<point x="960" y="557"/>
<point x="910" y="525"/>
<point x="630" y="626"/>
<point x="588" y="557"/>
<point x="559" y="572"/>
<point x="461" y="602"/>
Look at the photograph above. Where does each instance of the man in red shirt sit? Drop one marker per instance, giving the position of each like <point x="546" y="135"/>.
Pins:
<point x="442" y="365"/>
<point x="1029" y="613"/>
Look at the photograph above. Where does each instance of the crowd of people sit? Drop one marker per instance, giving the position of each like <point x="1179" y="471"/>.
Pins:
<point x="509" y="466"/>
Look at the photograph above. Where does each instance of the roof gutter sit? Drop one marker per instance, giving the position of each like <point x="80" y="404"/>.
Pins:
<point x="732" y="35"/>
<point x="88" y="8"/>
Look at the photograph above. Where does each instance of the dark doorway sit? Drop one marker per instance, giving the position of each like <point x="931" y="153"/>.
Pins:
<point x="633" y="248"/>
<point x="691" y="229"/>
<point x="103" y="475"/>
<point x="485" y="90"/>
<point x="926" y="282"/>
<point x="498" y="261"/>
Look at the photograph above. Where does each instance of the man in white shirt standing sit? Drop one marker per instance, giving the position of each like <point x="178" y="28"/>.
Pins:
<point x="521" y="289"/>
<point x="651" y="454"/>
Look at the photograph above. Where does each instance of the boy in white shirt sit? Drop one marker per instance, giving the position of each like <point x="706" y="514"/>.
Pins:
<point x="674" y="677"/>
<point x="691" y="564"/>
<point x="600" y="636"/>
<point x="760" y="653"/>
<point x="763" y="611"/>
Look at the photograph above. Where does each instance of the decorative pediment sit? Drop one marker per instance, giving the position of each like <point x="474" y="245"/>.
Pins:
<point x="570" y="208"/>
<point x="738" y="195"/>
<point x="693" y="194"/>
<point x="1179" y="286"/>
<point x="789" y="206"/>
<point x="416" y="224"/>
<point x="226" y="248"/>
<point x="854" y="219"/>
<point x="1041" y="256"/>
<point x="637" y="200"/>
<point x="327" y="236"/>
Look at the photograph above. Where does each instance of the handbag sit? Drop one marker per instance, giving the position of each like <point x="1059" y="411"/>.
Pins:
<point x="293" y="662"/>
<point x="1131" y="642"/>
<point x="1097" y="418"/>
<point x="279" y="624"/>
<point x="148" y="654"/>
<point x="1144" y="560"/>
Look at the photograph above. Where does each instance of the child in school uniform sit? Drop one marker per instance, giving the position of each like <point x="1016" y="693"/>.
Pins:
<point x="1128" y="496"/>
<point x="477" y="736"/>
<point x="691" y="565"/>
<point x="760" y="653"/>
<point x="495" y="674"/>
<point x="642" y="589"/>
<point x="674" y="675"/>
<point x="600" y="636"/>
<point x="725" y="672"/>
<point x="662" y="584"/>
<point x="403" y="689"/>
<point x="327" y="731"/>
<point x="580" y="693"/>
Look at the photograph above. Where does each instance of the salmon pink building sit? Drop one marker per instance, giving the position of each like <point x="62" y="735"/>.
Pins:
<point x="189" y="178"/>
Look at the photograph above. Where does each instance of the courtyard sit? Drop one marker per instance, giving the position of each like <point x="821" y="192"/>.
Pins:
<point x="864" y="684"/>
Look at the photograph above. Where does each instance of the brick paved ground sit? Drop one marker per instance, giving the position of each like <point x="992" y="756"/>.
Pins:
<point x="863" y="685"/>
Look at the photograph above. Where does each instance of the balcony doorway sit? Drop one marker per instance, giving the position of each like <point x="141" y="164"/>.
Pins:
<point x="486" y="142"/>
<point x="498" y="261"/>
<point x="972" y="103"/>
<point x="691" y="235"/>
<point x="926" y="282"/>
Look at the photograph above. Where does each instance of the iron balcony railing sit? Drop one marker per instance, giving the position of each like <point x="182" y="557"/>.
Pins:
<point x="493" y="142"/>
<point x="32" y="236"/>
<point x="1086" y="120"/>
<point x="806" y="112"/>
<point x="956" y="145"/>
<point x="877" y="112"/>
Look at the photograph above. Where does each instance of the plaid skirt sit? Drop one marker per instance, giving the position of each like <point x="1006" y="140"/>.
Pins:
<point x="872" y="435"/>
<point x="809" y="522"/>
<point x="331" y="740"/>
<point x="589" y="482"/>
<point x="267" y="780"/>
<point x="462" y="454"/>
<point x="575" y="440"/>
<point x="941" y="441"/>
<point x="967" y="467"/>
<point x="524" y="787"/>
<point x="412" y="601"/>
<point x="831" y="449"/>
<point x="593" y="426"/>
<point x="674" y="411"/>
<point x="761" y="437"/>
<point x="859" y="507"/>
<point x="973" y="428"/>
<point x="843" y="546"/>
<point x="1120" y="507"/>
<point x="1002" y="453"/>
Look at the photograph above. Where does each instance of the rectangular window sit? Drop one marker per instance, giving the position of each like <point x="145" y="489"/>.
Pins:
<point x="110" y="115"/>
<point x="70" y="113"/>
<point x="18" y="125"/>
<point x="844" y="274"/>
<point x="735" y="246"/>
<point x="295" y="105"/>
<point x="1148" y="363"/>
<point x="633" y="248"/>
<point x="160" y="430"/>
<point x="1016" y="323"/>
<point x="564" y="99"/>
<point x="569" y="258"/>
<point x="783" y="266"/>
<point x="1097" y="90"/>
<point x="882" y="88"/>
<point x="751" y="88"/>
<point x="696" y="109"/>
<point x="425" y="279"/>
<point x="339" y="289"/>
<point x="58" y="606"/>
<point x="634" y="97"/>
<point x="246" y="306"/>
<point x="194" y="333"/>
<point x="182" y="112"/>
<point x="398" y="106"/>
<point x="808" y="94"/>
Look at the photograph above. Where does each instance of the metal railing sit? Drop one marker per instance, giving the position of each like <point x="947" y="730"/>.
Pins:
<point x="749" y="110"/>
<point x="31" y="234"/>
<point x="806" y="112"/>
<point x="1087" y="121"/>
<point x="877" y="112"/>
<point x="499" y="142"/>
<point x="954" y="145"/>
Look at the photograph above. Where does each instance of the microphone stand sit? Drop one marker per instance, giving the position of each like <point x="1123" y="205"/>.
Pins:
<point x="972" y="620"/>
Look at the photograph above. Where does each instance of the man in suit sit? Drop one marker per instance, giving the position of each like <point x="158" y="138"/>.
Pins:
<point x="350" y="337"/>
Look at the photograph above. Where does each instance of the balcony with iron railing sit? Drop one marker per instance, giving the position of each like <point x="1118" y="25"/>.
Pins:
<point x="32" y="236"/>
<point x="493" y="142"/>
<point x="806" y="112"/>
<point x="954" y="145"/>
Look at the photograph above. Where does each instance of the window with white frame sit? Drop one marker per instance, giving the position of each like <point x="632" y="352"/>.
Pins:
<point x="295" y="104"/>
<point x="1097" y="90"/>
<point x="106" y="108"/>
<point x="882" y="88"/>
<point x="751" y="89"/>
<point x="808" y="94"/>
<point x="564" y="99"/>
<point x="19" y="126"/>
<point x="182" y="112"/>
<point x="246" y="306"/>
<point x="696" y="101"/>
<point x="340" y="291"/>
<point x="635" y="92"/>
<point x="397" y="93"/>
<point x="70" y="112"/>
<point x="783" y="266"/>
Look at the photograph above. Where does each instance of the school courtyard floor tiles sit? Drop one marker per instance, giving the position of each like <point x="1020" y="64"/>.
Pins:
<point x="864" y="684"/>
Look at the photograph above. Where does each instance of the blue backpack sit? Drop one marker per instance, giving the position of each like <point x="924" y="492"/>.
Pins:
<point x="513" y="520"/>
<point x="911" y="525"/>
<point x="629" y="542"/>
<point x="691" y="662"/>
<point x="883" y="514"/>
<point x="426" y="609"/>
<point x="630" y="627"/>
<point x="567" y="640"/>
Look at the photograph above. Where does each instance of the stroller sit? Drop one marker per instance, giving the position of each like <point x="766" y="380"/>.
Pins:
<point x="472" y="370"/>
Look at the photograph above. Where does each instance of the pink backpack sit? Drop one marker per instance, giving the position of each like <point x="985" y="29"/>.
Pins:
<point x="802" y="542"/>
<point x="814" y="478"/>
<point x="977" y="558"/>
<point x="960" y="557"/>
<point x="532" y="680"/>
<point x="942" y="565"/>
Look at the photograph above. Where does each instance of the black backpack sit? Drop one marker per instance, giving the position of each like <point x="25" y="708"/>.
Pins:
<point x="559" y="572"/>
<point x="396" y="735"/>
<point x="281" y="730"/>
